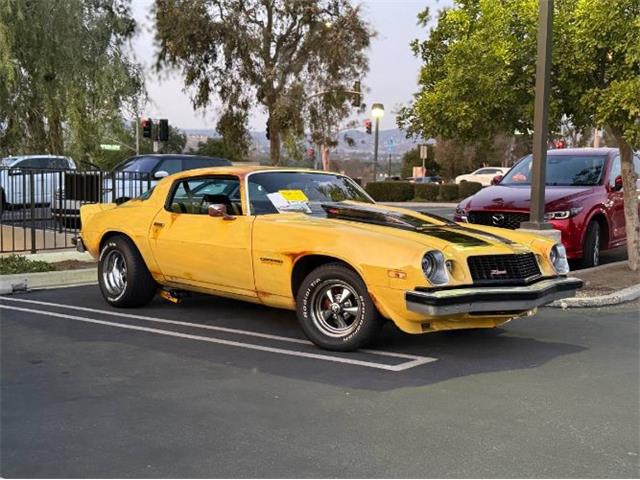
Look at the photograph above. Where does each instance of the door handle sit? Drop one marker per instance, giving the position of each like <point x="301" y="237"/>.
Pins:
<point x="158" y="224"/>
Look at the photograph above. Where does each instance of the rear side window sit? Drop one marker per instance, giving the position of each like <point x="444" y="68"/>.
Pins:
<point x="170" y="165"/>
<point x="192" y="163"/>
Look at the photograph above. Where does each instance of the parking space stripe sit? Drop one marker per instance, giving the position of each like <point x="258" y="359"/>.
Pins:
<point x="206" y="327"/>
<point x="250" y="346"/>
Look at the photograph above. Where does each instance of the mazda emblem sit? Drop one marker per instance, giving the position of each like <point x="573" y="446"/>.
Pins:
<point x="497" y="219"/>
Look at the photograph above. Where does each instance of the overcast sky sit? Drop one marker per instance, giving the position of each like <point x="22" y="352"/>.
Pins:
<point x="392" y="77"/>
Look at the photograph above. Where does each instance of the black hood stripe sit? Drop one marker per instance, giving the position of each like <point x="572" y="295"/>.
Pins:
<point x="450" y="232"/>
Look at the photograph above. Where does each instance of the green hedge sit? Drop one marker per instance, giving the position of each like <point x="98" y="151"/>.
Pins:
<point x="449" y="192"/>
<point x="466" y="189"/>
<point x="390" y="191"/>
<point x="20" y="264"/>
<point x="427" y="191"/>
<point x="430" y="192"/>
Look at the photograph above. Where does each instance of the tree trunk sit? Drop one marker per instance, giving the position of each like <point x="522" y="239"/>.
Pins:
<point x="326" y="158"/>
<point x="629" y="178"/>
<point x="56" y="141"/>
<point x="274" y="142"/>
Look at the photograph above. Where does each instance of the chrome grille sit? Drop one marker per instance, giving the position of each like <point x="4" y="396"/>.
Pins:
<point x="492" y="268"/>
<point x="510" y="220"/>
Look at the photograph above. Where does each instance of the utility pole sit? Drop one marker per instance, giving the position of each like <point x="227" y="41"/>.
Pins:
<point x="540" y="118"/>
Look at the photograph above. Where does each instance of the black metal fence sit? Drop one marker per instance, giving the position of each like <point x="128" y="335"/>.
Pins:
<point x="40" y="208"/>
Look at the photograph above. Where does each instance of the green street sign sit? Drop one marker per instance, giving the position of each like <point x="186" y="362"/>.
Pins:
<point x="106" y="146"/>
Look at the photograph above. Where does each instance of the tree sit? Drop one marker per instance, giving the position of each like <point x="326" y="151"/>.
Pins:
<point x="272" y="53"/>
<point x="602" y="82"/>
<point x="63" y="75"/>
<point x="212" y="147"/>
<point x="477" y="80"/>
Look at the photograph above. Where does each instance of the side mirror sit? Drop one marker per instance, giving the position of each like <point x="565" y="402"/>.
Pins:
<point x="219" y="210"/>
<point x="618" y="184"/>
<point x="160" y="174"/>
<point x="496" y="180"/>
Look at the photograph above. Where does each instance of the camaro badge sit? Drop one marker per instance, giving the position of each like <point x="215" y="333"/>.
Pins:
<point x="495" y="272"/>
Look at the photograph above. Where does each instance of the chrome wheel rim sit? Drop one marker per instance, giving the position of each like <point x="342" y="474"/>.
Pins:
<point x="114" y="273"/>
<point x="596" y="248"/>
<point x="335" y="308"/>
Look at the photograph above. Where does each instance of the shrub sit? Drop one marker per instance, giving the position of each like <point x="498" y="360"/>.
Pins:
<point x="390" y="191"/>
<point x="466" y="189"/>
<point x="20" y="264"/>
<point x="427" y="191"/>
<point x="449" y="192"/>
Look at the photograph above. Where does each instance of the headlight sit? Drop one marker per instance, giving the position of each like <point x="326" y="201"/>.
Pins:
<point x="462" y="214"/>
<point x="564" y="214"/>
<point x="558" y="257"/>
<point x="434" y="267"/>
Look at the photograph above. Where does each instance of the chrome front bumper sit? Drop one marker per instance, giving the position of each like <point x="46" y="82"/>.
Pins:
<point x="491" y="299"/>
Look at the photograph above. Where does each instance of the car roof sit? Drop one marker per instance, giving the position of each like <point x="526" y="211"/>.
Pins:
<point x="24" y="157"/>
<point x="582" y="151"/>
<point x="244" y="170"/>
<point x="176" y="155"/>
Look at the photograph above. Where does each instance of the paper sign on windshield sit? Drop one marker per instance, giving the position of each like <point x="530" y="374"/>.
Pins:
<point x="287" y="201"/>
<point x="294" y="195"/>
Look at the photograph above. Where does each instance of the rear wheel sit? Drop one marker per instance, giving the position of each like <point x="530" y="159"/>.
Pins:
<point x="123" y="276"/>
<point x="335" y="310"/>
<point x="591" y="249"/>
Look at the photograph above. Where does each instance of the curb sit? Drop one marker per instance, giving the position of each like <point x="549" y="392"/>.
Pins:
<point x="28" y="281"/>
<point x="56" y="256"/>
<point x="628" y="294"/>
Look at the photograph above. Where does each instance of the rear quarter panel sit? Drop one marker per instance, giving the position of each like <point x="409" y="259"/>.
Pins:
<point x="132" y="219"/>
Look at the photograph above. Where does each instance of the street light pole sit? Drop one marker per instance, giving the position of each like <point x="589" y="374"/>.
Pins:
<point x="540" y="118"/>
<point x="375" y="151"/>
<point x="377" y="111"/>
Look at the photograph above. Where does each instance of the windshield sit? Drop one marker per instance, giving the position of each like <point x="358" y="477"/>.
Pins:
<point x="273" y="192"/>
<point x="562" y="170"/>
<point x="142" y="165"/>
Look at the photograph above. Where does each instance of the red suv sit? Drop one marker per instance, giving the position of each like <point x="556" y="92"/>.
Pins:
<point x="584" y="200"/>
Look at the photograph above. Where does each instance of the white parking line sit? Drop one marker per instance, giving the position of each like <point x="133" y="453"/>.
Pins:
<point x="330" y="358"/>
<point x="205" y="327"/>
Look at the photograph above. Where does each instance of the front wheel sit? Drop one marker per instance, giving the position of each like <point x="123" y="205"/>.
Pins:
<point x="335" y="310"/>
<point x="123" y="276"/>
<point x="591" y="250"/>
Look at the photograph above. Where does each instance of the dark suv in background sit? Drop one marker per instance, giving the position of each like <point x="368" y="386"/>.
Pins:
<point x="583" y="199"/>
<point x="129" y="179"/>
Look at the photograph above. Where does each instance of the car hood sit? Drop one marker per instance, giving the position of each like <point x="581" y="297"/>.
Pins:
<point x="500" y="197"/>
<point x="357" y="220"/>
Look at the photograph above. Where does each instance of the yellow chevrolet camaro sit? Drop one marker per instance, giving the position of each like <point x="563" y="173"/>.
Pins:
<point x="315" y="242"/>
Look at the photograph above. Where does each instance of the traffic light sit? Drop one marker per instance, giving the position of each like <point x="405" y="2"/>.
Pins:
<point x="367" y="126"/>
<point x="267" y="131"/>
<point x="356" y="99"/>
<point x="163" y="130"/>
<point x="147" y="125"/>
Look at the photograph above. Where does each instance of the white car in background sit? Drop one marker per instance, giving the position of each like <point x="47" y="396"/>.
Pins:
<point x="16" y="174"/>
<point x="483" y="175"/>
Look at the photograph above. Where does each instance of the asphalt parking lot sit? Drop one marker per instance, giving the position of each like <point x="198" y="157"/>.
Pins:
<point x="218" y="388"/>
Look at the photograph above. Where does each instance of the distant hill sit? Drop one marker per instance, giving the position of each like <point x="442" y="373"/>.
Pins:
<point x="390" y="141"/>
